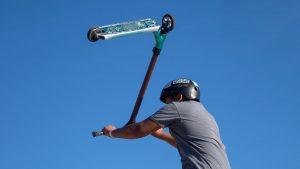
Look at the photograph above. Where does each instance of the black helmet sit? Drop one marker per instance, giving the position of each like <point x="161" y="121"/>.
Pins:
<point x="188" y="88"/>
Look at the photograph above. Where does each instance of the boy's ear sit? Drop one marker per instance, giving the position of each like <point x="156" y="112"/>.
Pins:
<point x="179" y="97"/>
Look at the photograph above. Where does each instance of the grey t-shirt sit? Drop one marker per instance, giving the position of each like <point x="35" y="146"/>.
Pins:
<point x="196" y="134"/>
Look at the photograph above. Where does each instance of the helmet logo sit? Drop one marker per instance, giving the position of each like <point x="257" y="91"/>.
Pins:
<point x="181" y="81"/>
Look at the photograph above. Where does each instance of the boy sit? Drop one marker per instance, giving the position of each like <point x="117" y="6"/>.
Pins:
<point x="193" y="130"/>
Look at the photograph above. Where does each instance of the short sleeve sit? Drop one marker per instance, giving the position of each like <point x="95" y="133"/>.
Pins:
<point x="166" y="116"/>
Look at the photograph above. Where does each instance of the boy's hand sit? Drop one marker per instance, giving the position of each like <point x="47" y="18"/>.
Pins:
<point x="107" y="129"/>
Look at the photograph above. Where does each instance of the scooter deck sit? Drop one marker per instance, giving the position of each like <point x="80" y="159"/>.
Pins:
<point x="126" y="28"/>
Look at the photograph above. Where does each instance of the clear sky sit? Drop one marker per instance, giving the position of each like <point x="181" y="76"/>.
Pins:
<point x="56" y="86"/>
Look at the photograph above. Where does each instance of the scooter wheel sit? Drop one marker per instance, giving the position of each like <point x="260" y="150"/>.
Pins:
<point x="92" y="34"/>
<point x="168" y="23"/>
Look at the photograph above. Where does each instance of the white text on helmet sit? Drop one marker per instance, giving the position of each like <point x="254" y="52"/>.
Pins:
<point x="181" y="81"/>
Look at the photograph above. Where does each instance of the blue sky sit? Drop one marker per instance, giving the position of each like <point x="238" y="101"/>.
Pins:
<point x="56" y="86"/>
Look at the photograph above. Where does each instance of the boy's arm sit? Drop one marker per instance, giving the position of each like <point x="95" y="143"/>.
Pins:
<point x="133" y="131"/>
<point x="138" y="130"/>
<point x="167" y="137"/>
